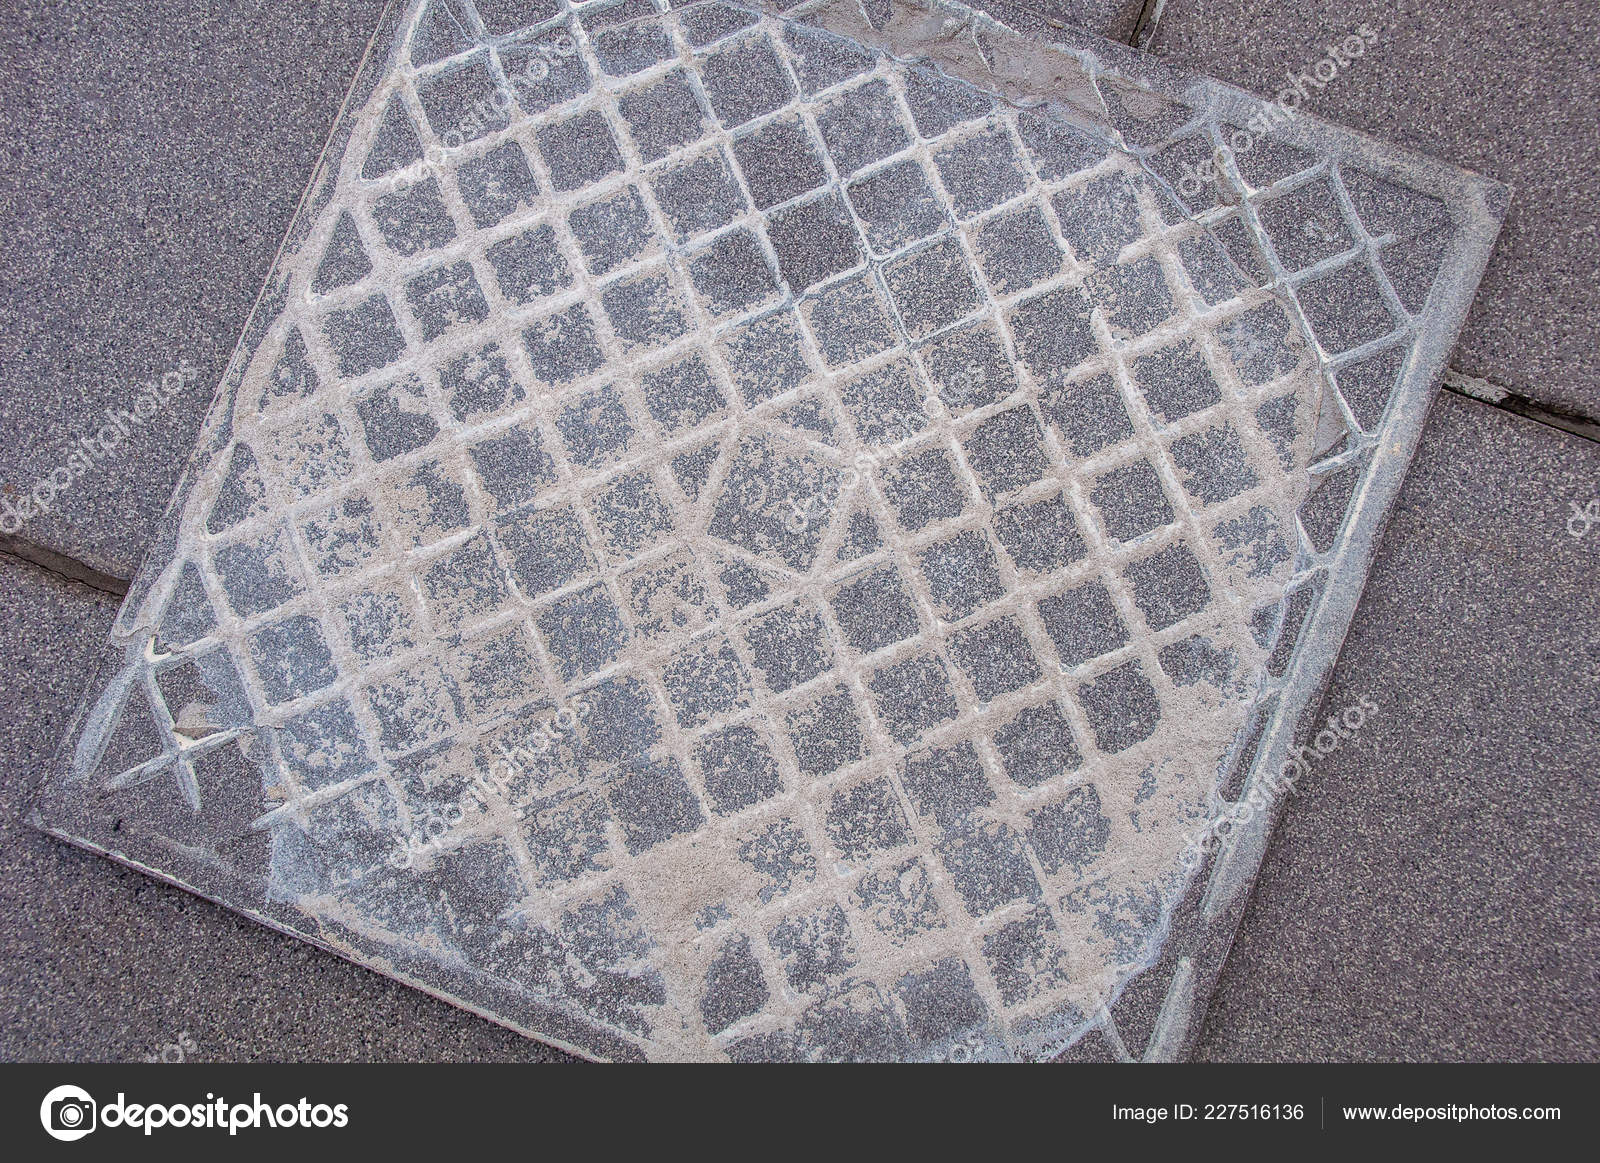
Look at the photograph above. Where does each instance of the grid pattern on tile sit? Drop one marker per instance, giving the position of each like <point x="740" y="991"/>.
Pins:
<point x="991" y="247"/>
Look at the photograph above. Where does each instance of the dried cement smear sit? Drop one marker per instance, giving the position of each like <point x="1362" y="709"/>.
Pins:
<point x="748" y="536"/>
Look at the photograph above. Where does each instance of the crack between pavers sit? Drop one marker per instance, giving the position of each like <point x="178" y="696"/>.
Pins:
<point x="63" y="566"/>
<point x="1506" y="400"/>
<point x="1144" y="25"/>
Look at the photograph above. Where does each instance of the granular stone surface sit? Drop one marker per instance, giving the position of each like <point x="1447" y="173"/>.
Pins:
<point x="754" y="536"/>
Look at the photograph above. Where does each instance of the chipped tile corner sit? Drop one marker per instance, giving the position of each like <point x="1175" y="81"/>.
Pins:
<point x="760" y="541"/>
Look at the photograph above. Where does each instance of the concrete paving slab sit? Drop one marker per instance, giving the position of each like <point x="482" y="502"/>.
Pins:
<point x="1429" y="894"/>
<point x="683" y="606"/>
<point x="156" y="155"/>
<point x="1504" y="89"/>
<point x="118" y="968"/>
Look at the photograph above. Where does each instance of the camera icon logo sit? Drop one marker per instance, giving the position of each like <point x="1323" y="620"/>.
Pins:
<point x="68" y="1113"/>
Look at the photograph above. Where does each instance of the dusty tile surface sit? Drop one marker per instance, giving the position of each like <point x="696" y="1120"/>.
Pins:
<point x="736" y="536"/>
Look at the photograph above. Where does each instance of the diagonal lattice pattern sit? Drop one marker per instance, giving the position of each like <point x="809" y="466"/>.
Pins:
<point x="729" y="537"/>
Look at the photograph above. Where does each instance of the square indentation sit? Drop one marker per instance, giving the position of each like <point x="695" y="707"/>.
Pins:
<point x="666" y="596"/>
<point x="1017" y="250"/>
<point x="995" y="657"/>
<point x="344" y="536"/>
<point x="446" y="297"/>
<point x="850" y="320"/>
<point x="579" y="151"/>
<point x="1214" y="464"/>
<point x="962" y="574"/>
<point x="932" y="287"/>
<point x="414" y="219"/>
<point x="825" y="59"/>
<point x="427" y="504"/>
<point x="1037" y="746"/>
<point x="653" y="802"/>
<point x="898" y="205"/>
<point x="464" y="585"/>
<point x="292" y="658"/>
<point x="982" y="171"/>
<point x="913" y="696"/>
<point x="497" y="185"/>
<point x="826" y="733"/>
<point x="1070" y="833"/>
<point x="885" y="405"/>
<point x="613" y="232"/>
<point x="969" y="367"/>
<point x="765" y="358"/>
<point x="479" y="383"/>
<point x="1083" y="623"/>
<point x="546" y="70"/>
<point x="874" y="610"/>
<point x="414" y="708"/>
<point x="1176" y="381"/>
<point x="663" y="116"/>
<point x="988" y="866"/>
<point x="1306" y="225"/>
<point x="861" y="126"/>
<point x="736" y="769"/>
<point x="563" y="347"/>
<point x="595" y="428"/>
<point x="731" y="274"/>
<point x="1026" y="958"/>
<point x="1131" y="501"/>
<point x="923" y="488"/>
<point x="583" y="632"/>
<point x="547" y="548"/>
<point x="1100" y="217"/>
<point x="645" y="309"/>
<point x="1346" y="308"/>
<point x="528" y="266"/>
<point x="705" y="681"/>
<point x="1122" y="707"/>
<point x="1041" y="536"/>
<point x="814" y="948"/>
<point x="1169" y="585"/>
<point x="630" y="515"/>
<point x="899" y="902"/>
<point x="1133" y="298"/>
<point x="698" y="195"/>
<point x="626" y="37"/>
<point x="866" y="819"/>
<point x="789" y="645"/>
<point x="682" y="395"/>
<point x="1007" y="451"/>
<point x="365" y="337"/>
<point x="745" y="81"/>
<point x="1053" y="332"/>
<point x="946" y="783"/>
<point x="380" y="624"/>
<point x="779" y="162"/>
<point x="1090" y="415"/>
<point x="258" y="573"/>
<point x="814" y="241"/>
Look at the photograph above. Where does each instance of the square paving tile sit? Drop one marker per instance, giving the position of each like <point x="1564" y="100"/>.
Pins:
<point x="685" y="617"/>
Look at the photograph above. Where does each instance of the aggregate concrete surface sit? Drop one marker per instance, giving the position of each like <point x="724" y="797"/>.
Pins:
<point x="333" y="1018"/>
